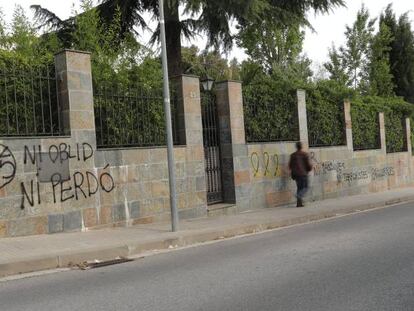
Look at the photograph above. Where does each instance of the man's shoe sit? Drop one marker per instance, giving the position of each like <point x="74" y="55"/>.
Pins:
<point x="300" y="203"/>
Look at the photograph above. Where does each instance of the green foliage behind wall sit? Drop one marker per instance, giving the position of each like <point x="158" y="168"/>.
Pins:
<point x="365" y="125"/>
<point x="325" y="112"/>
<point x="270" y="111"/>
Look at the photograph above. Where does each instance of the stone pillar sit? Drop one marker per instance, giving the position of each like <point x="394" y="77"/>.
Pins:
<point x="190" y="132"/>
<point x="75" y="93"/>
<point x="235" y="164"/>
<point x="408" y="135"/>
<point x="188" y="105"/>
<point x="348" y="125"/>
<point x="303" y="119"/>
<point x="382" y="132"/>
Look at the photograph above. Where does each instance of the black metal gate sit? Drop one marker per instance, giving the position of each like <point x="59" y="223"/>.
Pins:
<point x="212" y="155"/>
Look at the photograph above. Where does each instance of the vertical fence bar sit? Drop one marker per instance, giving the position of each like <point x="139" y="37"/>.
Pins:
<point x="7" y="103"/>
<point x="137" y="112"/>
<point x="113" y="121"/>
<point x="101" y="129"/>
<point x="130" y="138"/>
<point x="49" y="100"/>
<point x="58" y="104"/>
<point x="33" y="102"/>
<point x="24" y="103"/>
<point x="147" y="112"/>
<point x="107" y="116"/>
<point x="15" y="100"/>
<point x="41" y="101"/>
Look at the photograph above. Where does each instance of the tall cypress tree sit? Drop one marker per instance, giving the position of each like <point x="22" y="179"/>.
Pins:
<point x="380" y="76"/>
<point x="401" y="53"/>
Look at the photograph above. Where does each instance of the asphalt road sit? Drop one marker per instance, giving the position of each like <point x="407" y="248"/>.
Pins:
<point x="359" y="262"/>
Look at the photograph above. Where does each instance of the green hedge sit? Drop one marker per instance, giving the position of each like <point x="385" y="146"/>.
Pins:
<point x="395" y="134"/>
<point x="28" y="101"/>
<point x="270" y="111"/>
<point x="325" y="112"/>
<point x="131" y="117"/>
<point x="395" y="110"/>
<point x="365" y="125"/>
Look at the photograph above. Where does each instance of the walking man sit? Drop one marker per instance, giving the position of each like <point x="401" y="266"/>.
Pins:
<point x="300" y="166"/>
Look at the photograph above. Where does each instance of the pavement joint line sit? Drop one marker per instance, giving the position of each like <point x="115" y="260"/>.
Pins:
<point x="135" y="250"/>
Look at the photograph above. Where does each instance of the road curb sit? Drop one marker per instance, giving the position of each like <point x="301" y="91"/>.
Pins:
<point x="134" y="249"/>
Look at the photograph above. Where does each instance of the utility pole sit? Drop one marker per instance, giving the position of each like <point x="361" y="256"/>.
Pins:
<point x="167" y="110"/>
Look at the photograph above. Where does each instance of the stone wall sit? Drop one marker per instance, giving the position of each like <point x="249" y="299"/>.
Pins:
<point x="63" y="184"/>
<point x="338" y="171"/>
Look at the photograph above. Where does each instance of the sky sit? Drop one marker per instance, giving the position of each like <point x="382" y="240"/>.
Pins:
<point x="328" y="29"/>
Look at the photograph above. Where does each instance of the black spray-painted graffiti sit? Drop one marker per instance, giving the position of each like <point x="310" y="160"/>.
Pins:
<point x="266" y="163"/>
<point x="363" y="174"/>
<point x="381" y="173"/>
<point x="7" y="166"/>
<point x="61" y="152"/>
<point x="342" y="176"/>
<point x="79" y="185"/>
<point x="327" y="166"/>
<point x="354" y="176"/>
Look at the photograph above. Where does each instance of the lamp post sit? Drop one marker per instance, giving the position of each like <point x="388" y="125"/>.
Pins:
<point x="207" y="83"/>
<point x="167" y="109"/>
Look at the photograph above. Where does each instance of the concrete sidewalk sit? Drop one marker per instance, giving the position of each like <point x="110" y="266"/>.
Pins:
<point x="35" y="253"/>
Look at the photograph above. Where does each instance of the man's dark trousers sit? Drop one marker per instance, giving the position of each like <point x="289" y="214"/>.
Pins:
<point x="302" y="188"/>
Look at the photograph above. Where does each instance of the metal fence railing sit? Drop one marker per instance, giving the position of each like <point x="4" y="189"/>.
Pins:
<point x="29" y="102"/>
<point x="326" y="121"/>
<point x="132" y="117"/>
<point x="395" y="132"/>
<point x="365" y="128"/>
<point x="270" y="117"/>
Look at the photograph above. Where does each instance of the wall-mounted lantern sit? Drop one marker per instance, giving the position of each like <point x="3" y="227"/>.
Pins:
<point x="207" y="83"/>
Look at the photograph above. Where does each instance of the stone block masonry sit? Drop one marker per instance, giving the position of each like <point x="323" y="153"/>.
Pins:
<point x="64" y="184"/>
<point x="338" y="171"/>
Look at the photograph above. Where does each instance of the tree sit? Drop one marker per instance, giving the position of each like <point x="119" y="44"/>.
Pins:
<point x="272" y="43"/>
<point x="357" y="49"/>
<point x="401" y="54"/>
<point x="211" y="17"/>
<point x="2" y="29"/>
<point x="350" y="64"/>
<point x="403" y="65"/>
<point x="381" y="78"/>
<point x="211" y="63"/>
<point x="336" y="67"/>
<point x="204" y="62"/>
<point x="277" y="48"/>
<point x="20" y="44"/>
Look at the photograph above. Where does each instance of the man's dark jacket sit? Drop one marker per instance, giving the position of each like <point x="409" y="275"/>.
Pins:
<point x="299" y="164"/>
